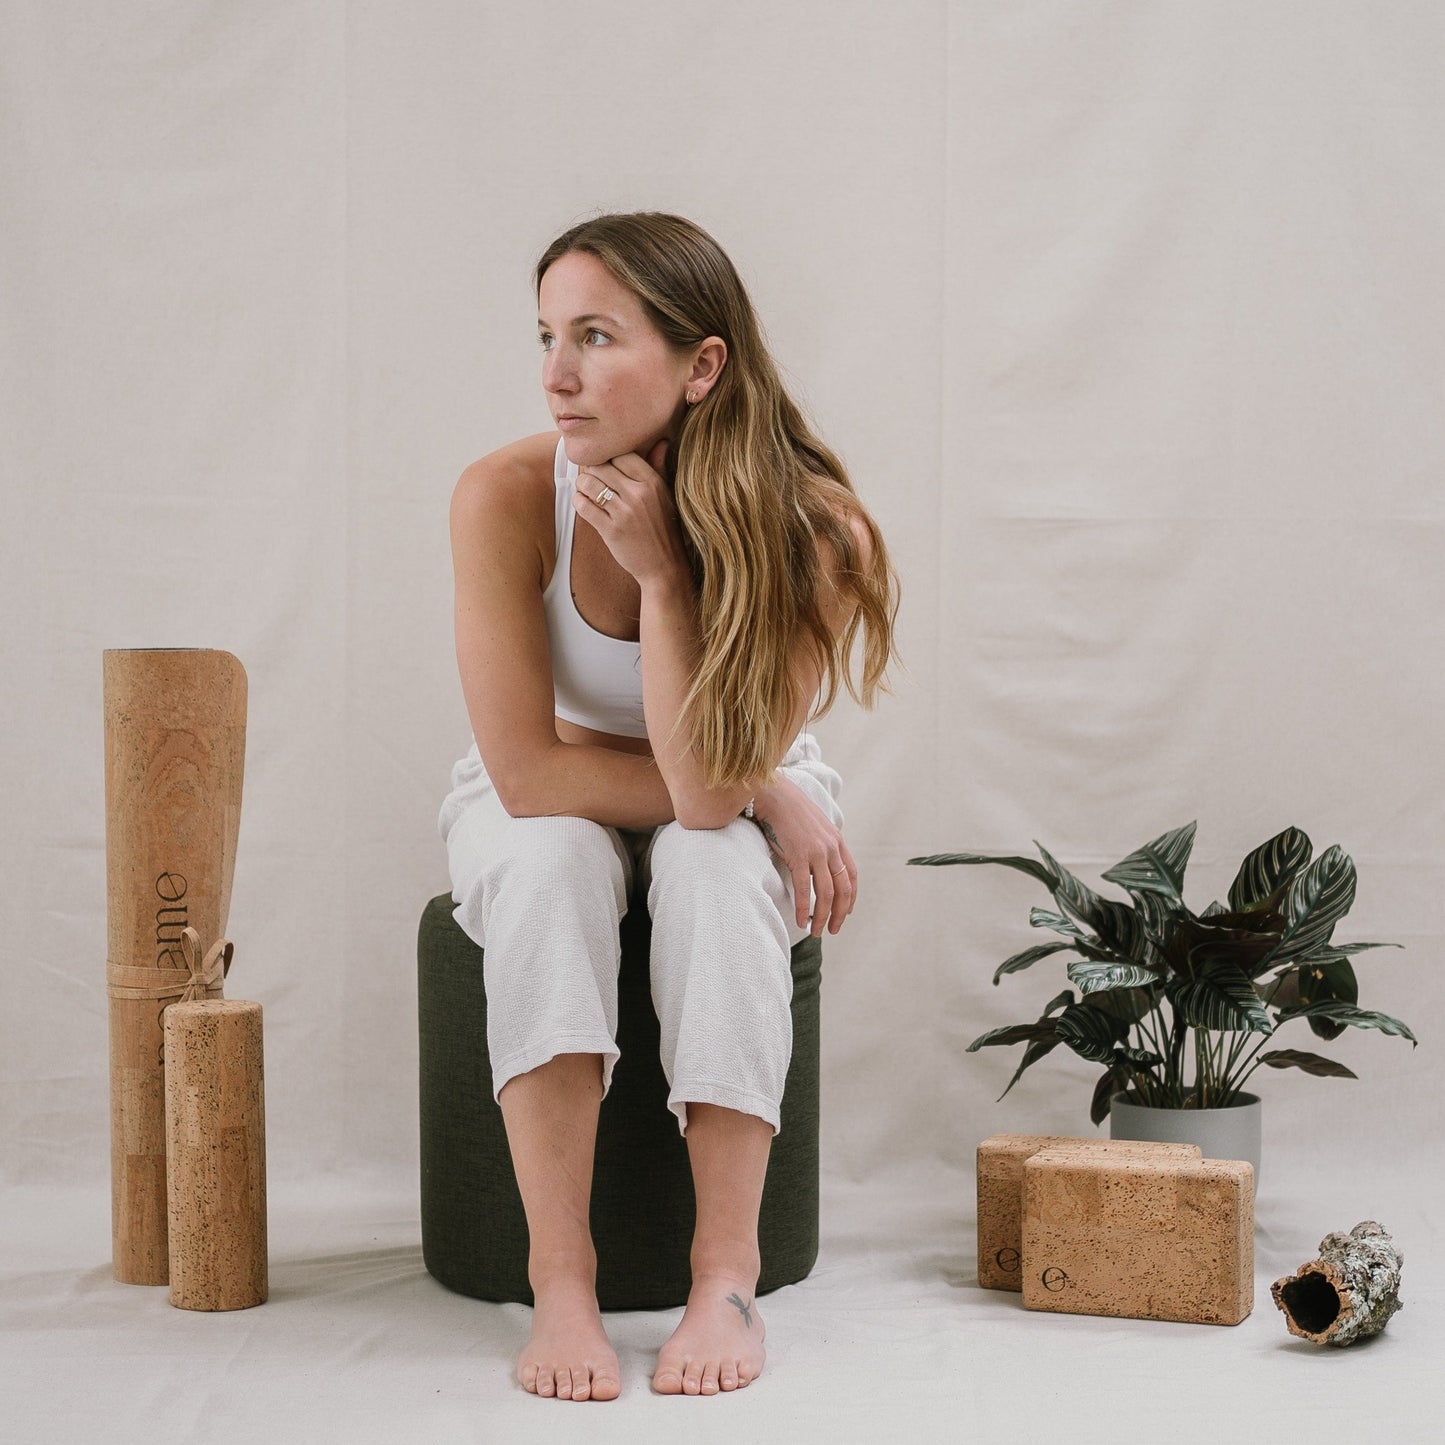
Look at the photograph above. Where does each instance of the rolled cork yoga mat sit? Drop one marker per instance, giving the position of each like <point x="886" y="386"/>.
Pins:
<point x="175" y="746"/>
<point x="216" y="1154"/>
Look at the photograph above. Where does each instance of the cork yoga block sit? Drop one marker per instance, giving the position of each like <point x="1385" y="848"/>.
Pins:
<point x="1001" y="1186"/>
<point x="175" y="744"/>
<point x="1145" y="1238"/>
<point x="216" y="1155"/>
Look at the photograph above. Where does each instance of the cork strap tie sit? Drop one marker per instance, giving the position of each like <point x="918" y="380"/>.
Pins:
<point x="203" y="977"/>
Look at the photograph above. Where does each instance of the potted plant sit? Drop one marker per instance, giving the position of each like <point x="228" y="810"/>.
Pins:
<point x="1178" y="1006"/>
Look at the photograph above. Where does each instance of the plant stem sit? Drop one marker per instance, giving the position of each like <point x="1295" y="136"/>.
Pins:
<point x="1249" y="1059"/>
<point x="1147" y="1033"/>
<point x="1242" y="1039"/>
<point x="1175" y="1078"/>
<point x="1241" y="1042"/>
<point x="1147" y="1085"/>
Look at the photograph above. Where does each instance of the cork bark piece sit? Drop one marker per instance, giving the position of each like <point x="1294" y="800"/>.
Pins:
<point x="175" y="743"/>
<point x="1000" y="1193"/>
<point x="1349" y="1293"/>
<point x="1154" y="1239"/>
<point x="216" y="1155"/>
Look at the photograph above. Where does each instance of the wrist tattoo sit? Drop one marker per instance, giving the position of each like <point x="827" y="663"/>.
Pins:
<point x="768" y="833"/>
<point x="746" y="1310"/>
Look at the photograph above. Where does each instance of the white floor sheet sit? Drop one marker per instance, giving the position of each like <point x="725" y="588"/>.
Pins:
<point x="889" y="1338"/>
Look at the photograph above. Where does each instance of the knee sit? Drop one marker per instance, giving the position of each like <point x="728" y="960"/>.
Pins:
<point x="720" y="867"/>
<point x="732" y="854"/>
<point x="555" y="868"/>
<point x="550" y="852"/>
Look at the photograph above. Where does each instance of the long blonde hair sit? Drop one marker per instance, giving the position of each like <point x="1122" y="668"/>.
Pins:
<point x="755" y="491"/>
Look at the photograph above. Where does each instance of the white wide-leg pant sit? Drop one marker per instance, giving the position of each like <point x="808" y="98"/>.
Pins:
<point x="544" y="897"/>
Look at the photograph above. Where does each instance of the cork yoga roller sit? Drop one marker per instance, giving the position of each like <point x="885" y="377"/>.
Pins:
<point x="216" y="1154"/>
<point x="1145" y="1238"/>
<point x="175" y="746"/>
<point x="1001" y="1161"/>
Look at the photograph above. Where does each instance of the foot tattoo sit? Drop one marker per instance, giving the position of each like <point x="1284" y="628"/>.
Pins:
<point x="744" y="1310"/>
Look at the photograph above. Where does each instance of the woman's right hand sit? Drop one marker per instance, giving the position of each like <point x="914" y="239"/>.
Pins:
<point x="812" y="849"/>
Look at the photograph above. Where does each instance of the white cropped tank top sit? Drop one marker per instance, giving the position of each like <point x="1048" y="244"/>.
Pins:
<point x="596" y="679"/>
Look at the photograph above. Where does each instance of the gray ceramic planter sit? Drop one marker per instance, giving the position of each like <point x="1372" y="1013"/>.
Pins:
<point x="1232" y="1133"/>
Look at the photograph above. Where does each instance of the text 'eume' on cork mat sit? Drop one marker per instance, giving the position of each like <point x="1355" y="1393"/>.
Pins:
<point x="1150" y="1239"/>
<point x="1001" y="1188"/>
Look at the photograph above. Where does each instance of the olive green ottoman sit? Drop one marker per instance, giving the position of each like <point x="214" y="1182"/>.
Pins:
<point x="473" y="1230"/>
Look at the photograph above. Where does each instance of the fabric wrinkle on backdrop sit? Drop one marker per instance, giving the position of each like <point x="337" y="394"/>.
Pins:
<point x="1127" y="320"/>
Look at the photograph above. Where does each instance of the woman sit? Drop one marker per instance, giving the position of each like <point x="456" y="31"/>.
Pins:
<point x="646" y="611"/>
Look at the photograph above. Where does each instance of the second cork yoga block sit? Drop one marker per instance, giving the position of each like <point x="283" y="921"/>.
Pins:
<point x="1153" y="1239"/>
<point x="216" y="1155"/>
<point x="1000" y="1194"/>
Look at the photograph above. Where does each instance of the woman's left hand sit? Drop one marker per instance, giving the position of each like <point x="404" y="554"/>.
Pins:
<point x="637" y="517"/>
<point x="812" y="849"/>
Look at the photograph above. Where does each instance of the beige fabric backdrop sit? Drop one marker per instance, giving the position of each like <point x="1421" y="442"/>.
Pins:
<point x="1128" y="319"/>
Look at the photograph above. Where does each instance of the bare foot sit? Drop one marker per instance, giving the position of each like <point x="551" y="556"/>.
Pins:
<point x="719" y="1343"/>
<point x="569" y="1355"/>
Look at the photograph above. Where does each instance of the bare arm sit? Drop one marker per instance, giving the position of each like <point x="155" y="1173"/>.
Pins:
<point x="640" y="527"/>
<point x="499" y="513"/>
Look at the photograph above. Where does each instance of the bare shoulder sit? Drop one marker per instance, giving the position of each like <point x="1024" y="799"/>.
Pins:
<point x="516" y="476"/>
<point x="503" y="511"/>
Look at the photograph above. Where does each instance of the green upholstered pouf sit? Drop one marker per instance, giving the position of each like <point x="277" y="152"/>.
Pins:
<point x="473" y="1230"/>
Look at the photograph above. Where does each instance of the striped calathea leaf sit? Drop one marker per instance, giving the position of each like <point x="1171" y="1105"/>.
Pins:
<point x="1348" y="1014"/>
<point x="1090" y="1033"/>
<point x="1157" y="867"/>
<point x="1219" y="996"/>
<point x="1041" y="1036"/>
<point x="1112" y="1081"/>
<point x="1031" y="866"/>
<point x="1096" y="977"/>
<point x="1156" y="917"/>
<point x="1318" y="898"/>
<point x="1030" y="956"/>
<point x="1035" y="1051"/>
<point x="1269" y="870"/>
<point x="1013" y="1034"/>
<point x="1084" y="943"/>
<point x="1347" y="950"/>
<point x="1331" y="953"/>
<point x="1315" y="1064"/>
<point x="1116" y="926"/>
<point x="1128" y="1005"/>
<point x="1059" y="922"/>
<point x="1136" y="1058"/>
